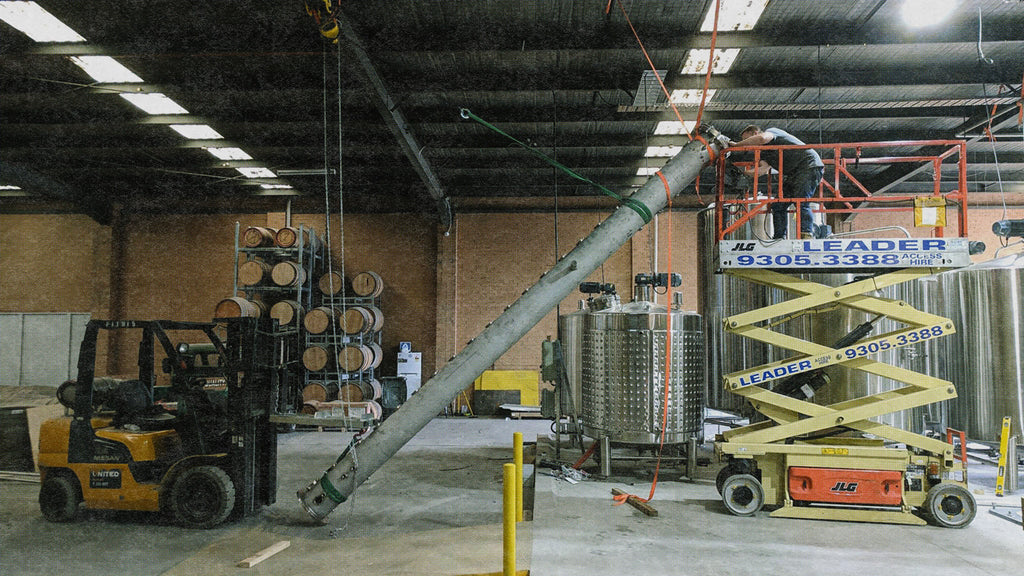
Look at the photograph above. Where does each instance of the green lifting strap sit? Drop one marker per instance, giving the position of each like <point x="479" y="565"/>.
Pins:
<point x="639" y="207"/>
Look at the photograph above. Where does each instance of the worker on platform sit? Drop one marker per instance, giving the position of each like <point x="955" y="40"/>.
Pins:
<point x="802" y="171"/>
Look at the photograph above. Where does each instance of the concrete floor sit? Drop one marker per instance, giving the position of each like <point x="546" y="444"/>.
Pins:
<point x="435" y="508"/>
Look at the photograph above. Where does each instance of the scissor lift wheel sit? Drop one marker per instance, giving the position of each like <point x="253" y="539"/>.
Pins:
<point x="742" y="494"/>
<point x="950" y="505"/>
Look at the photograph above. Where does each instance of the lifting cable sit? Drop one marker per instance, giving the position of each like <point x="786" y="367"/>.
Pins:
<point x="637" y="206"/>
<point x="622" y="498"/>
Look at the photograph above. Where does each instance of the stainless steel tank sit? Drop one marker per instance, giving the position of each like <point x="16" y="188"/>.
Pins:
<point x="623" y="374"/>
<point x="719" y="296"/>
<point x="987" y="360"/>
<point x="570" y="333"/>
<point x="830" y="325"/>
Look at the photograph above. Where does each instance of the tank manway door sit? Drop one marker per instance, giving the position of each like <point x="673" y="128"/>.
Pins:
<point x="864" y="254"/>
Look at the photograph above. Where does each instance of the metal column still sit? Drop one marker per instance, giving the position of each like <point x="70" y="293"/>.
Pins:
<point x="357" y="464"/>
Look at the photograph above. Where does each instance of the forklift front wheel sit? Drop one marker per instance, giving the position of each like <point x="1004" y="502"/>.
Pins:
<point x="950" y="505"/>
<point x="59" y="498"/>
<point x="742" y="494"/>
<point x="202" y="497"/>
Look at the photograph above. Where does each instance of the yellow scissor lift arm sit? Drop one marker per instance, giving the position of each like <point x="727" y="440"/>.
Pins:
<point x="840" y="437"/>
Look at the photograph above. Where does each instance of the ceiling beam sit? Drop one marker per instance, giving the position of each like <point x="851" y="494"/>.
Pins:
<point x="395" y="120"/>
<point x="42" y="185"/>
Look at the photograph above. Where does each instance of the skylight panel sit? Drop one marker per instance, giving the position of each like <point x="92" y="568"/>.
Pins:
<point x="662" y="151"/>
<point x="647" y="171"/>
<point x="674" y="127"/>
<point x="275" y="186"/>
<point x="697" y="61"/>
<point x="9" y="187"/>
<point x="259" y="172"/>
<point x="196" y="131"/>
<point x="154" y="103"/>
<point x="105" y="69"/>
<point x="690" y="97"/>
<point x="37" y="23"/>
<point x="734" y="15"/>
<point x="229" y="153"/>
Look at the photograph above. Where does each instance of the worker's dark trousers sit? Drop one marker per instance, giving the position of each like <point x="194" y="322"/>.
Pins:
<point x="801" y="184"/>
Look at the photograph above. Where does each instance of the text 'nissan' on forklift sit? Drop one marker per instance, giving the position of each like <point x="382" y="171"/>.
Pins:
<point x="192" y="441"/>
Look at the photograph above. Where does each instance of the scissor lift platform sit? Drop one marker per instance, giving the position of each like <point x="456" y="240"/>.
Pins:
<point x="834" y="462"/>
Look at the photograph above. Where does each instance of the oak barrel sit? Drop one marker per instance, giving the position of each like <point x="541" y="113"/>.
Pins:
<point x="378" y="354"/>
<point x="362" y="320"/>
<point x="331" y="283"/>
<point x="258" y="237"/>
<point x="368" y="284"/>
<point x="320" y="391"/>
<point x="355" y="391"/>
<point x="289" y="238"/>
<point x="287" y="312"/>
<point x="320" y="319"/>
<point x="288" y="274"/>
<point x="317" y="358"/>
<point x="355" y="357"/>
<point x="253" y="272"/>
<point x="238" y="307"/>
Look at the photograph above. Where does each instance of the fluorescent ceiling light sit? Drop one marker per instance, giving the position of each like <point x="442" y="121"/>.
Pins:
<point x="734" y="15"/>
<point x="275" y="186"/>
<point x="196" y="131"/>
<point x="922" y="13"/>
<point x="229" y="153"/>
<point x="9" y="187"/>
<point x="256" y="172"/>
<point x="690" y="96"/>
<point x="697" y="61"/>
<point x="662" y="151"/>
<point x="154" y="103"/>
<point x="105" y="69"/>
<point x="37" y="23"/>
<point x="674" y="127"/>
<point x="647" y="171"/>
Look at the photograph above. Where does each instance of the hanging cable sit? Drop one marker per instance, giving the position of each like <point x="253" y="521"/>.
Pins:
<point x="341" y="196"/>
<point x="995" y="153"/>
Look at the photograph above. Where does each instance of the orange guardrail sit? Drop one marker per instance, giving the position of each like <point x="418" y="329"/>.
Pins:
<point x="840" y="191"/>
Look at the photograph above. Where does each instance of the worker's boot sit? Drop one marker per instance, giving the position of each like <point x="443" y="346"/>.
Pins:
<point x="806" y="236"/>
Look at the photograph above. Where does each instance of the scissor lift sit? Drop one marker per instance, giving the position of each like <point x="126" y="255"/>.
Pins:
<point x="834" y="462"/>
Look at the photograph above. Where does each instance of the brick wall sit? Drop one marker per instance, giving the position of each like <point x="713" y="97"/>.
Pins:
<point x="439" y="291"/>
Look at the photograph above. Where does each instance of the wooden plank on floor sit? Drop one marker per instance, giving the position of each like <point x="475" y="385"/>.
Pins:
<point x="264" y="554"/>
<point x="636" y="502"/>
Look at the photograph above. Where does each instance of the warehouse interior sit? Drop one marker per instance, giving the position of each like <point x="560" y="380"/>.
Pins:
<point x="401" y="215"/>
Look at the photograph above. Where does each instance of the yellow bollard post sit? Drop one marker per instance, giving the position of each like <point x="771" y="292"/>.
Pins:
<point x="517" y="458"/>
<point x="508" y="561"/>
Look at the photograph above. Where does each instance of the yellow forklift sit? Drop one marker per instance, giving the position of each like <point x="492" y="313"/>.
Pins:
<point x="193" y="441"/>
